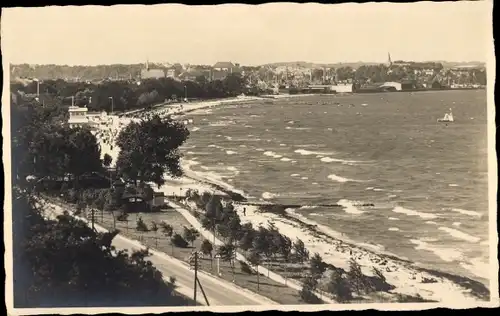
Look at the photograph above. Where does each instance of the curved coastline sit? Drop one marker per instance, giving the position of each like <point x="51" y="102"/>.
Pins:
<point x="477" y="288"/>
<point x="468" y="285"/>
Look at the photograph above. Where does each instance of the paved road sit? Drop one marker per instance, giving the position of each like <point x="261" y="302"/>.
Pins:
<point x="219" y="292"/>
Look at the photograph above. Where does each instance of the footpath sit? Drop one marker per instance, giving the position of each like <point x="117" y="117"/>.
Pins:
<point x="262" y="270"/>
<point x="219" y="292"/>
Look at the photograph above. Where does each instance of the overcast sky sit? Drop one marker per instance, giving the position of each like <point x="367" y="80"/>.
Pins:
<point x="250" y="35"/>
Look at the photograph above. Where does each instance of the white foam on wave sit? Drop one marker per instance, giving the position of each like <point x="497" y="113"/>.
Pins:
<point x="393" y="229"/>
<point x="308" y="207"/>
<point x="391" y="196"/>
<point x="369" y="188"/>
<point x="431" y="223"/>
<point x="272" y="154"/>
<point x="402" y="210"/>
<point x="453" y="185"/>
<point x="243" y="146"/>
<point x="393" y="219"/>
<point x="349" y="206"/>
<point x="194" y="129"/>
<point x="460" y="235"/>
<point x="304" y="178"/>
<point x="298" y="128"/>
<point x="230" y="152"/>
<point x="377" y="189"/>
<point x="305" y="152"/>
<point x="446" y="254"/>
<point x="259" y="149"/>
<point x="232" y="168"/>
<point x="467" y="212"/>
<point x="282" y="145"/>
<point x="330" y="159"/>
<point x="228" y="137"/>
<point x="340" y="179"/>
<point x="456" y="224"/>
<point x="294" y="175"/>
<point x="285" y="159"/>
<point x="268" y="195"/>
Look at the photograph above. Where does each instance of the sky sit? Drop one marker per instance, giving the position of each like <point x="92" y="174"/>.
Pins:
<point x="249" y="35"/>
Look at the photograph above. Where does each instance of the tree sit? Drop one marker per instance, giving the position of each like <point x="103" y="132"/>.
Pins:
<point x="207" y="248"/>
<point x="255" y="259"/>
<point x="106" y="161"/>
<point x="227" y="253"/>
<point x="356" y="278"/>
<point x="190" y="234"/>
<point x="318" y="267"/>
<point x="339" y="287"/>
<point x="247" y="236"/>
<point x="300" y="251"/>
<point x="307" y="292"/>
<point x="150" y="148"/>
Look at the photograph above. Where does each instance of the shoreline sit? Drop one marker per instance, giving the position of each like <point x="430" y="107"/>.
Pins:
<point x="318" y="239"/>
<point x="404" y="274"/>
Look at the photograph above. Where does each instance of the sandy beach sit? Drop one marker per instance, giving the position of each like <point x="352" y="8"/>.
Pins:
<point x="334" y="248"/>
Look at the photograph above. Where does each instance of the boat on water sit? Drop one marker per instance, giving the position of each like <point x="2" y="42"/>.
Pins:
<point x="448" y="117"/>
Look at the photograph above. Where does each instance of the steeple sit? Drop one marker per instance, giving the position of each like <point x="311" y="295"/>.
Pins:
<point x="389" y="59"/>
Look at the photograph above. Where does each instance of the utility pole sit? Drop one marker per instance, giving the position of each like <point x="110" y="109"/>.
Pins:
<point x="193" y="261"/>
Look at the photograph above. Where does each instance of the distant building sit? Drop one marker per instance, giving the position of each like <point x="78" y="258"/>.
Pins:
<point x="224" y="66"/>
<point x="171" y="73"/>
<point x="148" y="73"/>
<point x="77" y="116"/>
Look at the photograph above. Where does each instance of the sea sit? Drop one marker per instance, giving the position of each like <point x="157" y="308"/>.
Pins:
<point x="426" y="182"/>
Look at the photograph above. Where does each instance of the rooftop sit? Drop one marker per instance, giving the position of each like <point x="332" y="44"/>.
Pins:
<point x="224" y="64"/>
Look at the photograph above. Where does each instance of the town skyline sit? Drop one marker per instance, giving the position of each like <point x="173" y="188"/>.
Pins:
<point x="258" y="35"/>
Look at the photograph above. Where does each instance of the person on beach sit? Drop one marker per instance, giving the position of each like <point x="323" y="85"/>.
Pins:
<point x="244" y="211"/>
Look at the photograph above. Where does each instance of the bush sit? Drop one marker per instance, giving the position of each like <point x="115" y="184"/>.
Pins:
<point x="190" y="234"/>
<point x="307" y="292"/>
<point x="339" y="287"/>
<point x="178" y="241"/>
<point x="207" y="247"/>
<point x="123" y="217"/>
<point x="318" y="267"/>
<point x="167" y="229"/>
<point x="141" y="226"/>
<point x="154" y="227"/>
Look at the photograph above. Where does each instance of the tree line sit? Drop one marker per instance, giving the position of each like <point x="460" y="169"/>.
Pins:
<point x="264" y="244"/>
<point x="126" y="95"/>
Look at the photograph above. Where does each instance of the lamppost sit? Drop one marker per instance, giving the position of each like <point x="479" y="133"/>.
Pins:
<point x="112" y="104"/>
<point x="37" y="89"/>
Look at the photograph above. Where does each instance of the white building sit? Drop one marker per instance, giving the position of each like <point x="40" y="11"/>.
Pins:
<point x="342" y="88"/>
<point x="77" y="116"/>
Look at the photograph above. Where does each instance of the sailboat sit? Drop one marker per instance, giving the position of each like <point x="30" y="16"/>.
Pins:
<point x="448" y="117"/>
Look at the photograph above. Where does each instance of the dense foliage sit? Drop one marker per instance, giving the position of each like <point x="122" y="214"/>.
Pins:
<point x="150" y="148"/>
<point x="125" y="95"/>
<point x="44" y="148"/>
<point x="62" y="262"/>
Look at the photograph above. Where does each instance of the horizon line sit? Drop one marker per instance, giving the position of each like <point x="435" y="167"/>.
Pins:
<point x="250" y="65"/>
